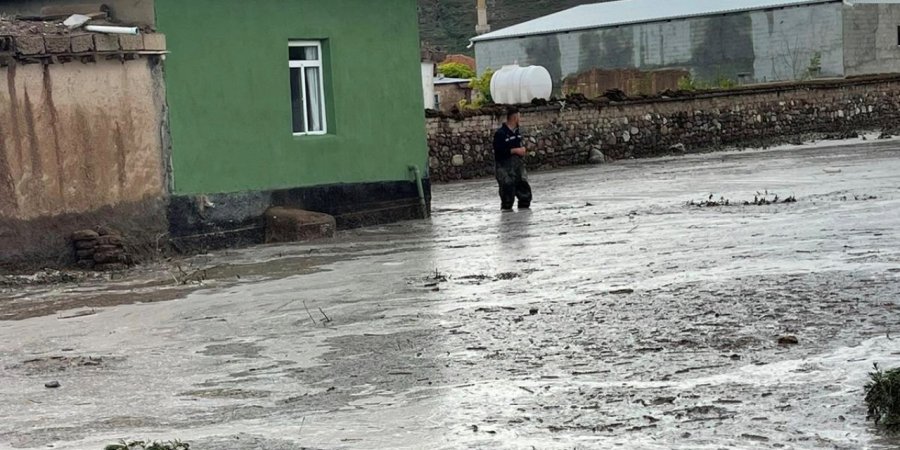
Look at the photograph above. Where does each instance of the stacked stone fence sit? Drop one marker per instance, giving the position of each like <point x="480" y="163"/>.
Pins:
<point x="578" y="131"/>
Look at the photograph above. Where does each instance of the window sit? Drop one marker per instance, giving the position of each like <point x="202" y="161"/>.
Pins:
<point x="307" y="88"/>
<point x="437" y="102"/>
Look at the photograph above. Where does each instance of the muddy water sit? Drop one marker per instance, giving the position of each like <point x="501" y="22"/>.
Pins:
<point x="611" y="316"/>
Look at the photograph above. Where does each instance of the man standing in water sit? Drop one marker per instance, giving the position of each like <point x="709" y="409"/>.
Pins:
<point x="510" y="166"/>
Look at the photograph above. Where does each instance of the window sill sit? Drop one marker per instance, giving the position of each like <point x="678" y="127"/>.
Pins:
<point x="322" y="133"/>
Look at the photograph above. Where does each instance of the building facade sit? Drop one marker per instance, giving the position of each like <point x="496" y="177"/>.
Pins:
<point x="247" y="105"/>
<point x="742" y="41"/>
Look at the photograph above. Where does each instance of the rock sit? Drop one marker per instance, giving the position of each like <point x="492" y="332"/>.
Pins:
<point x="85" y="245"/>
<point x="85" y="235"/>
<point x="294" y="225"/>
<point x="86" y="264"/>
<point x="108" y="257"/>
<point x="678" y="148"/>
<point x="85" y="254"/>
<point x="51" y="384"/>
<point x="597" y="157"/>
<point x="457" y="160"/>
<point x="533" y="311"/>
<point x="106" y="231"/>
<point x="788" y="340"/>
<point x="110" y="239"/>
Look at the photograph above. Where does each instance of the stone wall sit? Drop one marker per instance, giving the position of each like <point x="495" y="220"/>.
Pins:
<point x="568" y="133"/>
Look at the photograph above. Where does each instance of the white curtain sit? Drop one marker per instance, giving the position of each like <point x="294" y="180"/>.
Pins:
<point x="314" y="99"/>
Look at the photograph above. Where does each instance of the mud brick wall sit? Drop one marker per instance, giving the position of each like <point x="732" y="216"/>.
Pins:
<point x="566" y="133"/>
<point x="81" y="146"/>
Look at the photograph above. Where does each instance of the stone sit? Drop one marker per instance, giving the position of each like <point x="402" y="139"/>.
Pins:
<point x="108" y="257"/>
<point x="106" y="42"/>
<point x="85" y="235"/>
<point x="457" y="160"/>
<point x="85" y="245"/>
<point x="155" y="42"/>
<point x="128" y="42"/>
<point x="82" y="43"/>
<point x="106" y="231"/>
<point x="597" y="157"/>
<point x="85" y="264"/>
<point x="51" y="384"/>
<point x="678" y="148"/>
<point x="626" y="136"/>
<point x="58" y="44"/>
<point x="285" y="224"/>
<point x="110" y="239"/>
<point x="30" y="45"/>
<point x="85" y="254"/>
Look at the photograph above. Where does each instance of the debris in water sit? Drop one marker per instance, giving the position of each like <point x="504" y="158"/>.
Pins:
<point x="760" y="199"/>
<point x="621" y="291"/>
<point x="754" y="437"/>
<point x="141" y="445"/>
<point x="508" y="276"/>
<point x="788" y="340"/>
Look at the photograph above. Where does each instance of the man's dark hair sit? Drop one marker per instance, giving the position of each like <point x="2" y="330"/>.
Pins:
<point x="511" y="111"/>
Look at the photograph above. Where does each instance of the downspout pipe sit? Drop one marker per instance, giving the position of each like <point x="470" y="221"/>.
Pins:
<point x="112" y="30"/>
<point x="416" y="175"/>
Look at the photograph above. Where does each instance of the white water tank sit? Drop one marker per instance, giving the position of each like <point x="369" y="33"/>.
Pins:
<point x="512" y="85"/>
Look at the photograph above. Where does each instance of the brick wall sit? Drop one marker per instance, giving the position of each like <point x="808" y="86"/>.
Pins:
<point x="564" y="134"/>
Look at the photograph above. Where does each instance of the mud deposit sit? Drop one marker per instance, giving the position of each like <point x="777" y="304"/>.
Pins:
<point x="611" y="316"/>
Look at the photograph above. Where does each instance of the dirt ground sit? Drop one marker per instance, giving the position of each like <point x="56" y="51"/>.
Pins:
<point x="614" y="315"/>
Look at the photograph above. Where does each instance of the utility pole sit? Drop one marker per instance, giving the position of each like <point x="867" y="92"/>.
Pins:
<point x="482" y="26"/>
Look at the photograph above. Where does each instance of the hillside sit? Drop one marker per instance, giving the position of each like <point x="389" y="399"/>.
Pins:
<point x="448" y="24"/>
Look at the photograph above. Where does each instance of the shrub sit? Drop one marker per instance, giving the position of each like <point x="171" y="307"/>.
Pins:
<point x="815" y="65"/>
<point x="883" y="398"/>
<point x="687" y="83"/>
<point x="456" y="70"/>
<point x="482" y="87"/>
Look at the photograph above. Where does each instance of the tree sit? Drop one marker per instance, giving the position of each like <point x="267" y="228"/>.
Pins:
<point x="456" y="70"/>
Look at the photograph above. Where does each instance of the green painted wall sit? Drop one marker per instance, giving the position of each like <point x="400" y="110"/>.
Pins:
<point x="228" y="90"/>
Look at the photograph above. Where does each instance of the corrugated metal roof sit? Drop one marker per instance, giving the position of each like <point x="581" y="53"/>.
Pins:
<point x="624" y="12"/>
<point x="451" y="80"/>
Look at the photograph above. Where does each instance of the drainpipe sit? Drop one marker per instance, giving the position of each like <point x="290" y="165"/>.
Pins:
<point x="417" y="178"/>
<point x="112" y="30"/>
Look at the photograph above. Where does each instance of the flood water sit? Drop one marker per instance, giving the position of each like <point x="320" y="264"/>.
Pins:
<point x="613" y="315"/>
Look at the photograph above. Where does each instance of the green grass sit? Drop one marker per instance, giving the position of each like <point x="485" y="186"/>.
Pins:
<point x="883" y="398"/>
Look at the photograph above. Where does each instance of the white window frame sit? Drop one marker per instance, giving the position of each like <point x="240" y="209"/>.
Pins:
<point x="303" y="65"/>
